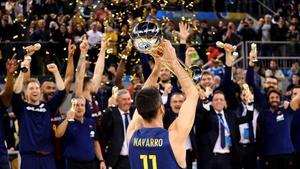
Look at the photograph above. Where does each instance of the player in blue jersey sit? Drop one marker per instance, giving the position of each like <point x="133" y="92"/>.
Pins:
<point x="36" y="145"/>
<point x="150" y="145"/>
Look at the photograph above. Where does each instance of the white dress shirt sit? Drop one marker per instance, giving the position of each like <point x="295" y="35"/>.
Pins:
<point x="124" y="150"/>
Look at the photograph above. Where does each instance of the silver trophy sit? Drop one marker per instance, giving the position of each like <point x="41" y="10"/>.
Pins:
<point x="147" y="36"/>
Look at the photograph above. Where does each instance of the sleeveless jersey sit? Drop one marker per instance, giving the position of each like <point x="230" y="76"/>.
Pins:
<point x="149" y="148"/>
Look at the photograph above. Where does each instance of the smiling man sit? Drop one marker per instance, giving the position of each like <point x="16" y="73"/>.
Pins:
<point x="36" y="146"/>
<point x="115" y="122"/>
<point x="274" y="126"/>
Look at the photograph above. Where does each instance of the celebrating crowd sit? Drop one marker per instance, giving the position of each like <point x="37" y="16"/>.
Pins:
<point x="243" y="119"/>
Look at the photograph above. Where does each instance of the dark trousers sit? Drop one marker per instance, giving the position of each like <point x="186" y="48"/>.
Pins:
<point x="189" y="159"/>
<point x="296" y="160"/>
<point x="122" y="163"/>
<point x="283" y="161"/>
<point x="36" y="161"/>
<point x="218" y="161"/>
<point x="4" y="162"/>
<point x="72" y="164"/>
<point x="247" y="156"/>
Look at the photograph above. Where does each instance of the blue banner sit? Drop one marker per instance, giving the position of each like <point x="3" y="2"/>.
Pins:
<point x="200" y="15"/>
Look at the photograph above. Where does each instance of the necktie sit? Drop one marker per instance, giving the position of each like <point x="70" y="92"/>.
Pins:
<point x="126" y="115"/>
<point x="222" y="128"/>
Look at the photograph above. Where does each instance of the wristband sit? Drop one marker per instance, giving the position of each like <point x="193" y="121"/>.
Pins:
<point x="24" y="69"/>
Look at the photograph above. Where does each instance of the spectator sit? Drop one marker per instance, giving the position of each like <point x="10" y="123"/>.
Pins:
<point x="94" y="36"/>
<point x="265" y="33"/>
<point x="246" y="30"/>
<point x="230" y="36"/>
<point x="293" y="36"/>
<point x="276" y="72"/>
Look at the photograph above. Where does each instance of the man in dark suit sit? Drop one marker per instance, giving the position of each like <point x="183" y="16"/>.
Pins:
<point x="171" y="114"/>
<point x="115" y="122"/>
<point x="216" y="135"/>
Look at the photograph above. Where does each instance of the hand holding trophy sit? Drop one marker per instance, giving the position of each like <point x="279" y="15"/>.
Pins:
<point x="254" y="52"/>
<point x="71" y="113"/>
<point x="32" y="48"/>
<point x="147" y="38"/>
<point x="249" y="95"/>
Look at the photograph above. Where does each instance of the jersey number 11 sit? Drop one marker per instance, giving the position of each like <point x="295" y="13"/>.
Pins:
<point x="145" y="161"/>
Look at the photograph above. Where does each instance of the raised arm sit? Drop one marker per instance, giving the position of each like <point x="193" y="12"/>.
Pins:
<point x="121" y="66"/>
<point x="78" y="89"/>
<point x="227" y="85"/>
<point x="260" y="98"/>
<point x="18" y="86"/>
<point x="180" y="128"/>
<point x="99" y="67"/>
<point x="70" y="67"/>
<point x="61" y="129"/>
<point x="6" y="93"/>
<point x="295" y="102"/>
<point x="137" y="120"/>
<point x="58" y="80"/>
<point x="84" y="46"/>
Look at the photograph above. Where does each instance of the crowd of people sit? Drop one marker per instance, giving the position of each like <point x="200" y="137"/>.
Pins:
<point x="244" y="118"/>
<point x="56" y="23"/>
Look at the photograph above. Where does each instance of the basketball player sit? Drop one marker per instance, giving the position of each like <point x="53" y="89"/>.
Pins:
<point x="150" y="145"/>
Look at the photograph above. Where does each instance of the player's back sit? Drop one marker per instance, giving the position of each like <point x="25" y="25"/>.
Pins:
<point x="149" y="148"/>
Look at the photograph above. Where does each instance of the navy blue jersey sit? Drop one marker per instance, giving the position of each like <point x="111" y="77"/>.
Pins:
<point x="149" y="148"/>
<point x="79" y="140"/>
<point x="277" y="131"/>
<point x="296" y="131"/>
<point x="35" y="129"/>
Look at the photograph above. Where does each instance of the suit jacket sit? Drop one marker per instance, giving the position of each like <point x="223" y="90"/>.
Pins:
<point x="114" y="134"/>
<point x="169" y="117"/>
<point x="207" y="131"/>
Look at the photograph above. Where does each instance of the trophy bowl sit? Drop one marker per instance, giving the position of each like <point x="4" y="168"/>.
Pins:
<point x="146" y="37"/>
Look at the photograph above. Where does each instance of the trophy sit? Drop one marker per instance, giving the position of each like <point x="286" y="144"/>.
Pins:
<point x="245" y="87"/>
<point x="73" y="104"/>
<point x="147" y="36"/>
<point x="254" y="48"/>
<point x="222" y="45"/>
<point x="29" y="49"/>
<point x="32" y="48"/>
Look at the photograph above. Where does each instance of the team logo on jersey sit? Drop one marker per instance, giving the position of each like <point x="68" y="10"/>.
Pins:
<point x="92" y="134"/>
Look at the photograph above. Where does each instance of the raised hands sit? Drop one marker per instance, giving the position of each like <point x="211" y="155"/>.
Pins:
<point x="70" y="115"/>
<point x="169" y="53"/>
<point x="167" y="89"/>
<point x="52" y="68"/>
<point x="11" y="65"/>
<point x="84" y="46"/>
<point x="184" y="32"/>
<point x="253" y="55"/>
<point x="30" y="50"/>
<point x="230" y="58"/>
<point x="71" y="49"/>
